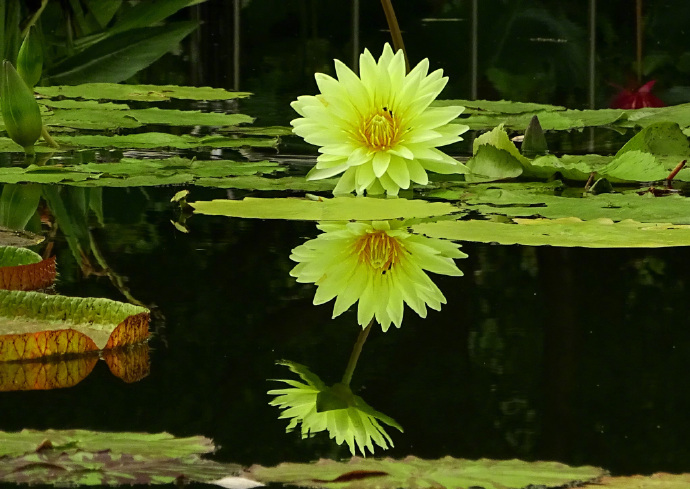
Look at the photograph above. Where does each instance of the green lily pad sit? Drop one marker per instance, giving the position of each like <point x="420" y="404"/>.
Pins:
<point x="78" y="457"/>
<point x="414" y="472"/>
<point x="498" y="106"/>
<point x="335" y="209"/>
<point x="147" y="93"/>
<point x="152" y="140"/>
<point x="564" y="232"/>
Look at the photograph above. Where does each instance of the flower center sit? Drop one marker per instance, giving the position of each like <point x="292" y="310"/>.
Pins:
<point x="378" y="250"/>
<point x="380" y="131"/>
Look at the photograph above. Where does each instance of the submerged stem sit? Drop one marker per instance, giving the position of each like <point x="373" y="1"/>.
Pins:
<point x="356" y="351"/>
<point x="395" y="30"/>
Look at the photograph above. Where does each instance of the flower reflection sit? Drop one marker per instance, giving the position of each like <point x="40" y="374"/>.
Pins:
<point x="378" y="263"/>
<point x="378" y="130"/>
<point x="317" y="407"/>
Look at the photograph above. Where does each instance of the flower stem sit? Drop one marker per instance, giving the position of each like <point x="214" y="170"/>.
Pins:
<point x="356" y="351"/>
<point x="48" y="138"/>
<point x="395" y="30"/>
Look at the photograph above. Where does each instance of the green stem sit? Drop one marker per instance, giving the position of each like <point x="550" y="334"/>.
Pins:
<point x="48" y="138"/>
<point x="395" y="30"/>
<point x="356" y="351"/>
<point x="34" y="18"/>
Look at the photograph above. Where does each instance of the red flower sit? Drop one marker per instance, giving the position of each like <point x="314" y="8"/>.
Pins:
<point x="637" y="98"/>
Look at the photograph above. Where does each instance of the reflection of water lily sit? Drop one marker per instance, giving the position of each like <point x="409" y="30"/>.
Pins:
<point x="378" y="130"/>
<point x="317" y="407"/>
<point x="377" y="263"/>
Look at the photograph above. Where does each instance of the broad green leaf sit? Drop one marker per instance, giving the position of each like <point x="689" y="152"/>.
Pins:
<point x="80" y="104"/>
<point x="154" y="445"/>
<point x="150" y="140"/>
<point x="570" y="167"/>
<point x="18" y="203"/>
<point x="149" y="13"/>
<point x="655" y="481"/>
<point x="498" y="106"/>
<point x="35" y="325"/>
<point x="13" y="256"/>
<point x="411" y="471"/>
<point x="635" y="166"/>
<point x="498" y="138"/>
<point x="565" y="232"/>
<point x="145" y="93"/>
<point x="95" y="118"/>
<point x="119" y="57"/>
<point x="103" y="10"/>
<point x="660" y="138"/>
<point x="490" y="163"/>
<point x="335" y="209"/>
<point x="77" y="457"/>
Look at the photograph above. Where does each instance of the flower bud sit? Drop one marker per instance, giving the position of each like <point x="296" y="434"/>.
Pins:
<point x="20" y="110"/>
<point x="30" y="59"/>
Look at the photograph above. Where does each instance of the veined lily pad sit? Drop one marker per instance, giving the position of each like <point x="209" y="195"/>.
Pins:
<point x="335" y="209"/>
<point x="22" y="269"/>
<point x="79" y="457"/>
<point x="414" y="472"/>
<point x="151" y="140"/>
<point x="35" y="325"/>
<point x="148" y="93"/>
<point x="654" y="481"/>
<point x="130" y="364"/>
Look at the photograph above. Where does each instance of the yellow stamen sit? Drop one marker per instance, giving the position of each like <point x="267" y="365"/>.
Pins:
<point x="378" y="250"/>
<point x="380" y="131"/>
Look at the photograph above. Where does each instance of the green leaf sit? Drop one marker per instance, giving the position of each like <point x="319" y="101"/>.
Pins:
<point x="11" y="256"/>
<point x="415" y="472"/>
<point x="534" y="143"/>
<point x="565" y="232"/>
<point x="144" y="93"/>
<point x="498" y="106"/>
<point x="79" y="457"/>
<point x="35" y="325"/>
<point x="103" y="10"/>
<point x="18" y="203"/>
<point x="498" y="138"/>
<point x="149" y="13"/>
<point x="490" y="163"/>
<point x="151" y="140"/>
<point x="335" y="209"/>
<point x="119" y="57"/>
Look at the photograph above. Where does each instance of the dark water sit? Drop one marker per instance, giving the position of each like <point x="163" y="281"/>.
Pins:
<point x="574" y="355"/>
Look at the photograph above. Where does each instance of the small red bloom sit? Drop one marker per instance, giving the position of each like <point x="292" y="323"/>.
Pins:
<point x="637" y="98"/>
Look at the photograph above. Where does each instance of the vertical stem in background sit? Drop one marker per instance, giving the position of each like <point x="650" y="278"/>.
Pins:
<point x="355" y="35"/>
<point x="592" y="64"/>
<point x="638" y="17"/>
<point x="356" y="351"/>
<point x="395" y="29"/>
<point x="236" y="45"/>
<point x="474" y="46"/>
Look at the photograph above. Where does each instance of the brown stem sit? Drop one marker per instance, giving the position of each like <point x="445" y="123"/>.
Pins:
<point x="395" y="30"/>
<point x="675" y="171"/>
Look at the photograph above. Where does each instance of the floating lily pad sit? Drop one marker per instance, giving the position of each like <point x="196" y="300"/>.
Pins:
<point x="336" y="209"/>
<point x="79" y="457"/>
<point x="34" y="325"/>
<point x="152" y="140"/>
<point x="148" y="93"/>
<point x="130" y="172"/>
<point x="15" y="237"/>
<point x="565" y="232"/>
<point x="22" y="269"/>
<point x="414" y="472"/>
<point x="654" y="481"/>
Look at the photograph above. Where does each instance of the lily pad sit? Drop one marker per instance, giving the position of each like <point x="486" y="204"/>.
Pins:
<point x="15" y="237"/>
<point x="152" y="140"/>
<point x="22" y="269"/>
<point x="654" y="481"/>
<point x="35" y="325"/>
<point x="131" y="364"/>
<point x="147" y="93"/>
<point x="565" y="232"/>
<point x="335" y="209"/>
<point x="79" y="457"/>
<point x="418" y="473"/>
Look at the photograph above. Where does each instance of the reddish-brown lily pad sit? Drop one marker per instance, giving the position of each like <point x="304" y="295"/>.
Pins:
<point x="22" y="269"/>
<point x="131" y="364"/>
<point x="35" y="325"/>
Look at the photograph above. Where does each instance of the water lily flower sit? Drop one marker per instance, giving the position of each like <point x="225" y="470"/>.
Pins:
<point x="637" y="98"/>
<point x="378" y="263"/>
<point x="378" y="130"/>
<point x="345" y="416"/>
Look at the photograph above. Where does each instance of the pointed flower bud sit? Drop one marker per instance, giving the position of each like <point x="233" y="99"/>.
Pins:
<point x="30" y="58"/>
<point x="20" y="111"/>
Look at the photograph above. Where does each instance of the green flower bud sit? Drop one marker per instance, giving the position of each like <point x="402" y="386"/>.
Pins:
<point x="30" y="59"/>
<point x="20" y="111"/>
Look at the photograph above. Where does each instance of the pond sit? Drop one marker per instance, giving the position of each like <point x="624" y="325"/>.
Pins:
<point x="559" y="344"/>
